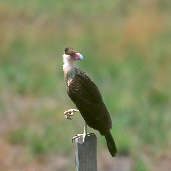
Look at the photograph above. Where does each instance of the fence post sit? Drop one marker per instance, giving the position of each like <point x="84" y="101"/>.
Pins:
<point x="86" y="153"/>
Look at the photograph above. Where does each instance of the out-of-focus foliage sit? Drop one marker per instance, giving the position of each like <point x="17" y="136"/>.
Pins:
<point x="127" y="49"/>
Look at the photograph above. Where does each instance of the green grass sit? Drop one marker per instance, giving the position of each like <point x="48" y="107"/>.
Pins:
<point x="129" y="61"/>
<point x="140" y="165"/>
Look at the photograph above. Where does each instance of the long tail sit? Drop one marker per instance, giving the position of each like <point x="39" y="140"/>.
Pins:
<point x="111" y="144"/>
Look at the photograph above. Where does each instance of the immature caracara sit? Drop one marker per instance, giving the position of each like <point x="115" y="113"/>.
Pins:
<point x="87" y="98"/>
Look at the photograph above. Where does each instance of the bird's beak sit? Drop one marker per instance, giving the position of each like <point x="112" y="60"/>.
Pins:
<point x="78" y="56"/>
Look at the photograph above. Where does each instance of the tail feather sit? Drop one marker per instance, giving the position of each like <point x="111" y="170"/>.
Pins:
<point x="111" y="144"/>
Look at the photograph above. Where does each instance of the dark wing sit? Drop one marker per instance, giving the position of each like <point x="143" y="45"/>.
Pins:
<point x="88" y="100"/>
<point x="90" y="89"/>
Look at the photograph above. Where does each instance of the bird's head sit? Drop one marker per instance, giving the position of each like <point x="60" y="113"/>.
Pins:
<point x="71" y="55"/>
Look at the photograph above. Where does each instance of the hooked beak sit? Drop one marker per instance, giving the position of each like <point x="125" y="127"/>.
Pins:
<point x="78" y="56"/>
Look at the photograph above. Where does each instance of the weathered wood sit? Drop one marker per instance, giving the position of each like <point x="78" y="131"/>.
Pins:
<point x="86" y="153"/>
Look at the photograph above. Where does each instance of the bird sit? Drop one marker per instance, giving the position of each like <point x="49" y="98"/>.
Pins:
<point x="86" y="96"/>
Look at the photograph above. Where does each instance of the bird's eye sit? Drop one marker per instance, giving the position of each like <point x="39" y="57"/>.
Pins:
<point x="72" y="55"/>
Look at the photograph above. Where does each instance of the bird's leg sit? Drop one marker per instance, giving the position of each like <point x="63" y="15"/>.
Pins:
<point x="69" y="113"/>
<point x="82" y="139"/>
<point x="85" y="131"/>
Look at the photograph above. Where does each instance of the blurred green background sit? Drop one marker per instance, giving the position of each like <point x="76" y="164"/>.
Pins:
<point x="127" y="50"/>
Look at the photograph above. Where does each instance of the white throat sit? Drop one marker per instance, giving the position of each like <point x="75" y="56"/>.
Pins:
<point x="68" y="63"/>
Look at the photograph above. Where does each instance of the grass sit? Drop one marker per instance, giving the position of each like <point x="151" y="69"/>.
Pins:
<point x="127" y="53"/>
<point x="140" y="165"/>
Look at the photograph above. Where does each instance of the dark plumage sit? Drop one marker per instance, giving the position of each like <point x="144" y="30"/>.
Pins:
<point x="86" y="96"/>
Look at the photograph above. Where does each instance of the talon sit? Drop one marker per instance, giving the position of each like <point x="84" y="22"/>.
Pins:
<point x="76" y="136"/>
<point x="69" y="113"/>
<point x="69" y="116"/>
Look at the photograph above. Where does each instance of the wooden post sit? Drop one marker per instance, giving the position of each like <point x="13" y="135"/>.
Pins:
<point x="86" y="153"/>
